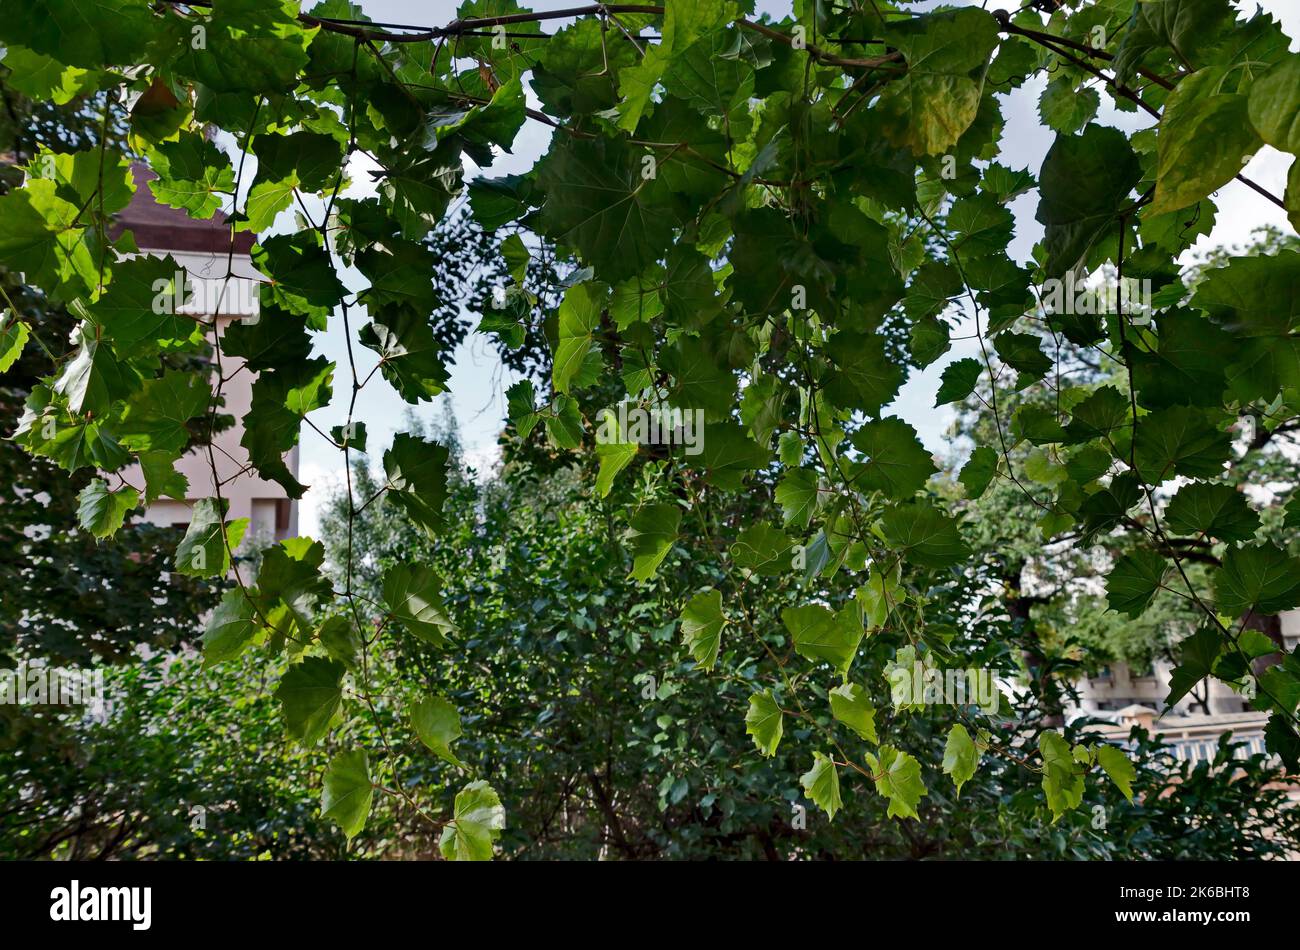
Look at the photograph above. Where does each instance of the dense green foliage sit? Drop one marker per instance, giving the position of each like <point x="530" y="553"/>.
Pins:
<point x="56" y="583"/>
<point x="186" y="764"/>
<point x="593" y="759"/>
<point x="772" y="224"/>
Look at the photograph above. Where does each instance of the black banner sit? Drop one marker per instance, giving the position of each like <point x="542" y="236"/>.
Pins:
<point x="330" y="900"/>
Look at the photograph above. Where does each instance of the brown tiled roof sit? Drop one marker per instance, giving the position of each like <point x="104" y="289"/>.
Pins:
<point x="158" y="227"/>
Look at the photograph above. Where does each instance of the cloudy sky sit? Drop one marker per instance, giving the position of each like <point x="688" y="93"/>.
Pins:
<point x="478" y="380"/>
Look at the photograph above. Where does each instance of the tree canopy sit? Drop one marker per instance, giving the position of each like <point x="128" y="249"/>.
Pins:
<point x="769" y="225"/>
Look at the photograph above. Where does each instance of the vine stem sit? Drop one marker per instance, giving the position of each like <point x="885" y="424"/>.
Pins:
<point x="1156" y="529"/>
<point x="458" y="28"/>
<point x="472" y="27"/>
<point x="216" y="399"/>
<point x="988" y="364"/>
<point x="1058" y="45"/>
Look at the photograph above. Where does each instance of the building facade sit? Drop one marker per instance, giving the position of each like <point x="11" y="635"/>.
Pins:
<point x="203" y="248"/>
<point x="1192" y="727"/>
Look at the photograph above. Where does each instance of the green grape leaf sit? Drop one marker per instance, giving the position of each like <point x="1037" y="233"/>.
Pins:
<point x="797" y="493"/>
<point x="865" y="378"/>
<point x="413" y="596"/>
<point x="926" y="536"/>
<point x="763" y="549"/>
<point x="348" y="791"/>
<point x="341" y="640"/>
<point x="763" y="722"/>
<point x="437" y="723"/>
<point x="87" y="33"/>
<point x="1180" y="440"/>
<point x="930" y="339"/>
<point x="897" y="464"/>
<point x="819" y="633"/>
<point x="141" y="310"/>
<point x="1185" y="26"/>
<point x="192" y="174"/>
<point x="1189" y="365"/>
<point x="1253" y="296"/>
<point x="880" y="594"/>
<point x="1205" y="139"/>
<point x="598" y="202"/>
<point x="521" y="407"/>
<point x="684" y="23"/>
<point x="411" y="356"/>
<point x="1065" y="108"/>
<point x="156" y="417"/>
<point x="100" y="511"/>
<point x="478" y="819"/>
<point x="564" y="422"/>
<point x="498" y="201"/>
<point x="614" y="457"/>
<point x="1261" y="578"/>
<point x="205" y="549"/>
<point x="1062" y="774"/>
<point x="579" y="317"/>
<point x="1118" y="766"/>
<point x="1023" y="353"/>
<point x="280" y="401"/>
<point x="301" y="272"/>
<point x="95" y="378"/>
<point x="1075" y="218"/>
<point x="39" y="237"/>
<point x="958" y="380"/>
<point x="851" y="706"/>
<point x="700" y="379"/>
<point x="821" y="784"/>
<point x="1282" y="740"/>
<point x="714" y="84"/>
<point x="702" y="622"/>
<point x="653" y="529"/>
<point x="929" y="108"/>
<point x="400" y="275"/>
<point x="577" y="69"/>
<point x="960" y="756"/>
<point x="729" y="455"/>
<point x="1134" y="581"/>
<point x="311" y="157"/>
<point x="251" y="48"/>
<point x="898" y="781"/>
<point x="231" y="628"/>
<point x="311" y="697"/>
<point x="276" y="337"/>
<point x="1274" y="106"/>
<point x="265" y="201"/>
<point x="416" y="471"/>
<point x="14" y="334"/>
<point x="1219" y="511"/>
<point x="979" y="471"/>
<point x="43" y="77"/>
<point x="1098" y="415"/>
<point x="290" y="584"/>
<point x="161" y="477"/>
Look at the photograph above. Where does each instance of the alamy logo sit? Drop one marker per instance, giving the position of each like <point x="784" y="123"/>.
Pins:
<point x="923" y="685"/>
<point x="181" y="294"/>
<point x="1130" y="296"/>
<point x="103" y="903"/>
<point x="658" y="425"/>
<point x="34" y="684"/>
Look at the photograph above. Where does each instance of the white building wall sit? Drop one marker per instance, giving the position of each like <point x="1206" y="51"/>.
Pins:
<point x="272" y="514"/>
